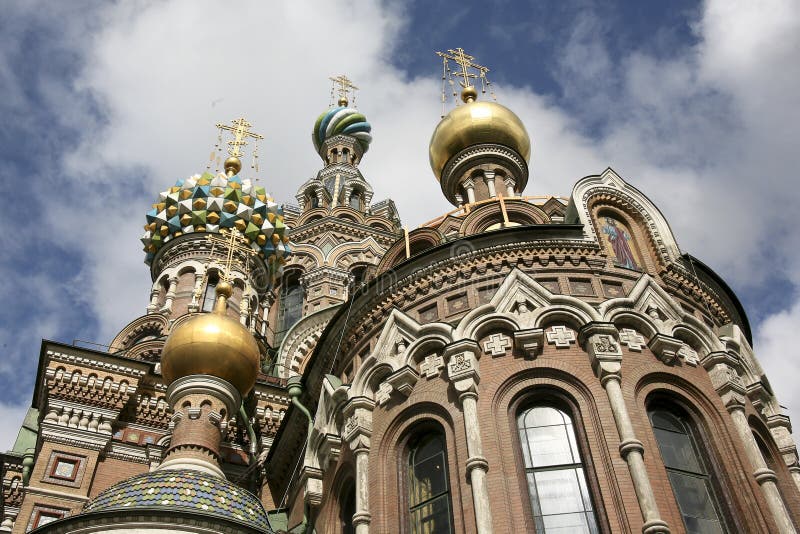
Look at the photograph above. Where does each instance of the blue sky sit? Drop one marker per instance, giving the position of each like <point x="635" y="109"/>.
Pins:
<point x="105" y="104"/>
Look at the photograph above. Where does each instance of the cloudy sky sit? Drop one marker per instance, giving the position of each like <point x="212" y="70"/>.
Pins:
<point x="105" y="104"/>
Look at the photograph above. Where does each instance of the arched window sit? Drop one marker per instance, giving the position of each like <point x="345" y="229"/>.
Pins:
<point x="429" y="508"/>
<point x="210" y="293"/>
<point x="291" y="305"/>
<point x="687" y="470"/>
<point x="355" y="200"/>
<point x="347" y="507"/>
<point x="556" y="479"/>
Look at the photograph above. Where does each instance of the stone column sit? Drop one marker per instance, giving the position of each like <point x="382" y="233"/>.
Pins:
<point x="488" y="177"/>
<point x="357" y="432"/>
<point x="509" y="182"/>
<point x="469" y="187"/>
<point x="462" y="371"/>
<point x="244" y="309"/>
<point x="194" y="306"/>
<point x="723" y="370"/>
<point x="601" y="342"/>
<point x="155" y="292"/>
<point x="173" y="287"/>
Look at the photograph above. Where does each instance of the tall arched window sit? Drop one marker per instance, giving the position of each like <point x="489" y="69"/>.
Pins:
<point x="429" y="508"/>
<point x="687" y="470"/>
<point x="556" y="479"/>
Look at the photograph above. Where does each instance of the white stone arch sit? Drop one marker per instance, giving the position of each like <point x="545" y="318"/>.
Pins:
<point x="610" y="182"/>
<point x="392" y="348"/>
<point x="478" y="321"/>
<point x="300" y="340"/>
<point x="367" y="248"/>
<point x="650" y="299"/>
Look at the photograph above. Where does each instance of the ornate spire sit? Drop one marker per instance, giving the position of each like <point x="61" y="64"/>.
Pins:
<point x="470" y="70"/>
<point x="345" y="88"/>
<point x="240" y="132"/>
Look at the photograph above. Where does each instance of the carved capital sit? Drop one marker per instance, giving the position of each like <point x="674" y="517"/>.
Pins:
<point x="665" y="348"/>
<point x="358" y="422"/>
<point x="529" y="341"/>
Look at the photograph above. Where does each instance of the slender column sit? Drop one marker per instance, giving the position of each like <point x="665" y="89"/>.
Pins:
<point x="173" y="287"/>
<point x="462" y="370"/>
<point x="155" y="292"/>
<point x="509" y="181"/>
<point x="488" y="177"/>
<point x="244" y="309"/>
<point x="357" y="432"/>
<point x="194" y="306"/>
<point x="764" y="475"/>
<point x="469" y="187"/>
<point x="600" y="340"/>
<point x="722" y="370"/>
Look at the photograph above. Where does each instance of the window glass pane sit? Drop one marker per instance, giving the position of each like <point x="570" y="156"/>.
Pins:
<point x="429" y="479"/>
<point x="587" y="499"/>
<point x="693" y="496"/>
<point x="667" y="421"/>
<point x="677" y="451"/>
<point x="537" y="510"/>
<point x="559" y="492"/>
<point x="523" y="438"/>
<point x="543" y="416"/>
<point x="432" y="518"/>
<point x="549" y="446"/>
<point x="568" y="524"/>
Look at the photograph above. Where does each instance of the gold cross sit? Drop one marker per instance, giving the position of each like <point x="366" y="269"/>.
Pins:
<point x="345" y="87"/>
<point x="235" y="243"/>
<point x="240" y="131"/>
<point x="465" y="61"/>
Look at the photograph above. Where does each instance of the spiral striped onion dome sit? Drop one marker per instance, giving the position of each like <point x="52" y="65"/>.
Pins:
<point x="209" y="203"/>
<point x="344" y="121"/>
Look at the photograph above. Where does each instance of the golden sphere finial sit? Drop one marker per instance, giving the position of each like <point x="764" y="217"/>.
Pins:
<point x="224" y="289"/>
<point x="343" y="102"/>
<point x="233" y="165"/>
<point x="469" y="94"/>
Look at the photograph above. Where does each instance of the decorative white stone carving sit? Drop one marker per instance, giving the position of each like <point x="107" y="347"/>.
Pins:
<point x="560" y="336"/>
<point x="688" y="355"/>
<point x="496" y="345"/>
<point x="633" y="339"/>
<point x="432" y="365"/>
<point x="384" y="393"/>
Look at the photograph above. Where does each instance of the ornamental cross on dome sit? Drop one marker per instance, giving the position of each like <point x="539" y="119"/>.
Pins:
<point x="344" y="86"/>
<point x="240" y="131"/>
<point x="470" y="70"/>
<point x="234" y="242"/>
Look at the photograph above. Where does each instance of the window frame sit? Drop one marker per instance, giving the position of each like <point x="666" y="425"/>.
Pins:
<point x="547" y="396"/>
<point x="704" y="449"/>
<point x="414" y="436"/>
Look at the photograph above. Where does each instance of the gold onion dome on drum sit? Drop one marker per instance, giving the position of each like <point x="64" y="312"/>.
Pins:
<point x="213" y="344"/>
<point x="476" y="123"/>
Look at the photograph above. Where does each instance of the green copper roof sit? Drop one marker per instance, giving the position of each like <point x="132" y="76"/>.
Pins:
<point x="26" y="438"/>
<point x="184" y="491"/>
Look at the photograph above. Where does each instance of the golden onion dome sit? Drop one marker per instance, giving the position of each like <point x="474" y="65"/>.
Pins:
<point x="212" y="344"/>
<point x="474" y="123"/>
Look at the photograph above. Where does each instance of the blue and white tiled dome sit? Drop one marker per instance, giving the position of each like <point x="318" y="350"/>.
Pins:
<point x="345" y="121"/>
<point x="190" y="491"/>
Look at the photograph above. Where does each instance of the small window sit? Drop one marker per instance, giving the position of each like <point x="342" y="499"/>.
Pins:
<point x="210" y="294"/>
<point x="429" y="508"/>
<point x="687" y="471"/>
<point x="555" y="474"/>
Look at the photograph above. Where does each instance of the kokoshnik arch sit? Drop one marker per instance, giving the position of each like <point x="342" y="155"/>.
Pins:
<point x="518" y="364"/>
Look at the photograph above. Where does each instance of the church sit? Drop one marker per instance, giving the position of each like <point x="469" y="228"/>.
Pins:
<point x="549" y="364"/>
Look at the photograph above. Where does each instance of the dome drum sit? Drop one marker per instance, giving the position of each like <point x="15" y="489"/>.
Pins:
<point x="473" y="157"/>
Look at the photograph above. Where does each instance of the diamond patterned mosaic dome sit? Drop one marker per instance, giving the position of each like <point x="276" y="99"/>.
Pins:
<point x="208" y="203"/>
<point x="190" y="491"/>
<point x="342" y="120"/>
